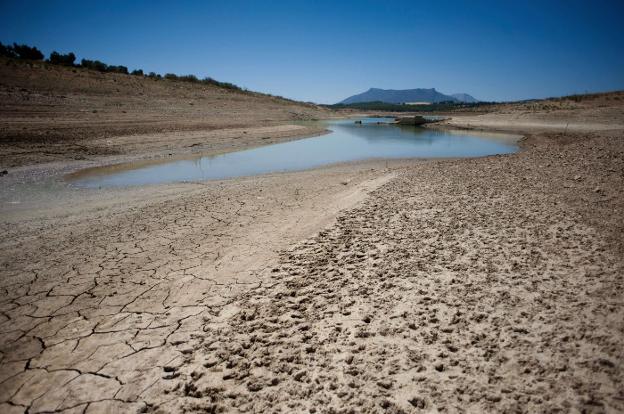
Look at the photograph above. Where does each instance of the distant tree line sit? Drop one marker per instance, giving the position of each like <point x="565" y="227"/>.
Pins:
<point x="391" y="107"/>
<point x="26" y="52"/>
<point x="21" y="52"/>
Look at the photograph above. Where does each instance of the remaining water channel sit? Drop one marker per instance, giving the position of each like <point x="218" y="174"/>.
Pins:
<point x="348" y="141"/>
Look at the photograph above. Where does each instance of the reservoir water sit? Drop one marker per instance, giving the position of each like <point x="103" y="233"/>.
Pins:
<point x="374" y="138"/>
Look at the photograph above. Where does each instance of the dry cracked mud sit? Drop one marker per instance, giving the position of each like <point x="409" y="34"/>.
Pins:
<point x="94" y="309"/>
<point x="490" y="284"/>
<point x="482" y="285"/>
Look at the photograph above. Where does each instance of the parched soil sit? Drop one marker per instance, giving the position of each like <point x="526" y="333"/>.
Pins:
<point x="95" y="299"/>
<point x="53" y="113"/>
<point x="490" y="284"/>
<point x="483" y="285"/>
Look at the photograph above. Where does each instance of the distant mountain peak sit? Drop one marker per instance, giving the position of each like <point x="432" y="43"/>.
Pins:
<point x="464" y="97"/>
<point x="398" y="96"/>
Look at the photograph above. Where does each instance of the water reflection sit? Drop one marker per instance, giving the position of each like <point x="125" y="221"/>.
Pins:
<point x="348" y="141"/>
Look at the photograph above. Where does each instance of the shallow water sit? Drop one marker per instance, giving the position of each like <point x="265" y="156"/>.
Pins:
<point x="347" y="142"/>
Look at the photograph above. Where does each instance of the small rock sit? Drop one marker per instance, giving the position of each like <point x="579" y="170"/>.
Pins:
<point x="439" y="367"/>
<point x="493" y="398"/>
<point x="452" y="348"/>
<point x="171" y="375"/>
<point x="605" y="362"/>
<point x="299" y="375"/>
<point x="417" y="402"/>
<point x="254" y="386"/>
<point x="211" y="363"/>
<point x="385" y="384"/>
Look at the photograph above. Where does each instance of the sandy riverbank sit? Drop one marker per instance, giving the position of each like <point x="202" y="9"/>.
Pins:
<point x="490" y="284"/>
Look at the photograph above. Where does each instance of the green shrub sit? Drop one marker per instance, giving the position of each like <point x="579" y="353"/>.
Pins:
<point x="137" y="72"/>
<point x="94" y="65"/>
<point x="64" y="60"/>
<point x="117" y="69"/>
<point x="27" y="52"/>
<point x="226" y="85"/>
<point x="171" y="76"/>
<point x="7" y="51"/>
<point x="188" y="78"/>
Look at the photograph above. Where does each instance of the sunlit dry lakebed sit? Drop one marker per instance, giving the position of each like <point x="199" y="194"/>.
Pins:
<point x="374" y="138"/>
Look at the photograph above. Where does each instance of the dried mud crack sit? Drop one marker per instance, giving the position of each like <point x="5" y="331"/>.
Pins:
<point x="490" y="284"/>
<point x="459" y="286"/>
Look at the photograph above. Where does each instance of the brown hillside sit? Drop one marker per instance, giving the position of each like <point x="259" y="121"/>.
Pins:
<point x="45" y="107"/>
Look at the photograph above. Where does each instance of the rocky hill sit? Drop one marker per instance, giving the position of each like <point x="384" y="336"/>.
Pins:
<point x="398" y="96"/>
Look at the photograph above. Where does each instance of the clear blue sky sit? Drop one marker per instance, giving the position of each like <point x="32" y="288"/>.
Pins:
<point x="324" y="51"/>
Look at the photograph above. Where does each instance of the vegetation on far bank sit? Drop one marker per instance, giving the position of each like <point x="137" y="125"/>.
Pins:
<point x="32" y="53"/>
<point x="390" y="107"/>
<point x="450" y="106"/>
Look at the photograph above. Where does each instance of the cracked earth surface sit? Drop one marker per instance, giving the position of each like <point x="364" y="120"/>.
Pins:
<point x="94" y="309"/>
<point x="481" y="285"/>
<point x="490" y="284"/>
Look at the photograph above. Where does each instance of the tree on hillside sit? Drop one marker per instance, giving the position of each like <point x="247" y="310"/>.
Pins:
<point x="137" y="72"/>
<point x="117" y="69"/>
<point x="188" y="78"/>
<point x="7" y="51"/>
<point x="59" y="59"/>
<point x="27" y="52"/>
<point x="94" y="65"/>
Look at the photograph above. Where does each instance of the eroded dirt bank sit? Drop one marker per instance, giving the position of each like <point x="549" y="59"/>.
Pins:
<point x="51" y="113"/>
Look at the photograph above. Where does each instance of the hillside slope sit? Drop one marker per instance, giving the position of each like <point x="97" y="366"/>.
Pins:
<point x="50" y="112"/>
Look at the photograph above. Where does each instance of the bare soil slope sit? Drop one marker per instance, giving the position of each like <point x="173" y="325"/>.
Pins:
<point x="575" y="113"/>
<point x="50" y="112"/>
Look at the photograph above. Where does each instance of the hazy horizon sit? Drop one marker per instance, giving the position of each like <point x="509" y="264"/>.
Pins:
<point x="324" y="52"/>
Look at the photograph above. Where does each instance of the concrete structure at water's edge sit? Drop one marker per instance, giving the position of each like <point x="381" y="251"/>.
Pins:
<point x="412" y="120"/>
<point x="406" y="120"/>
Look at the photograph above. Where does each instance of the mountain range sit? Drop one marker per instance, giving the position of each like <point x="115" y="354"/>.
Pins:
<point x="398" y="96"/>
